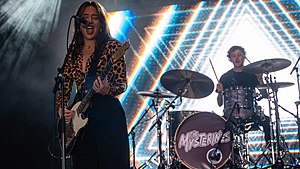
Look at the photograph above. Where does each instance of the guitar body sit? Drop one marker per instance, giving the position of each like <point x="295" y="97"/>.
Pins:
<point x="73" y="128"/>
<point x="78" y="121"/>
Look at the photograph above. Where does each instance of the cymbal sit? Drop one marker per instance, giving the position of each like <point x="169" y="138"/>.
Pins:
<point x="267" y="65"/>
<point x="187" y="83"/>
<point x="275" y="85"/>
<point x="156" y="94"/>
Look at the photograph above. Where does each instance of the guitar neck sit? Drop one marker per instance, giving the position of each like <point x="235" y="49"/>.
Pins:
<point x="85" y="101"/>
<point x="91" y="92"/>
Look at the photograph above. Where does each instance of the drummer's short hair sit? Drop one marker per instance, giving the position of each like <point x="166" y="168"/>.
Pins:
<point x="233" y="48"/>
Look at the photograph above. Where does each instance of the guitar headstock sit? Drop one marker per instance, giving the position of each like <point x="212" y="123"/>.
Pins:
<point x="120" y="52"/>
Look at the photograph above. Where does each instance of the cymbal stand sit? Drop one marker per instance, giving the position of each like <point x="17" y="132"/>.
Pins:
<point x="298" y="125"/>
<point x="268" y="79"/>
<point x="147" y="162"/>
<point x="279" y="162"/>
<point x="297" y="104"/>
<point x="296" y="161"/>
<point x="214" y="155"/>
<point x="158" y="122"/>
<point x="159" y="140"/>
<point x="132" y="132"/>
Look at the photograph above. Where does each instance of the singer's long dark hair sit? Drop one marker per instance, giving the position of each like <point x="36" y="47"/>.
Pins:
<point x="103" y="33"/>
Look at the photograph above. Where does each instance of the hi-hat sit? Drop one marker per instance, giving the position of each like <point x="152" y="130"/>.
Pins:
<point x="156" y="94"/>
<point x="187" y="83"/>
<point x="275" y="85"/>
<point x="267" y="66"/>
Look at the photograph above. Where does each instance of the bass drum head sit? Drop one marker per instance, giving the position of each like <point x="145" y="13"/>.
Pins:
<point x="196" y="141"/>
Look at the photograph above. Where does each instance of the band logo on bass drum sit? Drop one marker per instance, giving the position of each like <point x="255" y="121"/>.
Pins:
<point x="195" y="139"/>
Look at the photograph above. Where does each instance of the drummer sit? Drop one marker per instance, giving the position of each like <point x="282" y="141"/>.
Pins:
<point x="234" y="78"/>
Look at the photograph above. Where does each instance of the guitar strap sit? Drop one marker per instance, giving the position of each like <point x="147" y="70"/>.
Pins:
<point x="91" y="76"/>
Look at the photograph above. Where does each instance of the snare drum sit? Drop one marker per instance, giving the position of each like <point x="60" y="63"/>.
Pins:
<point x="244" y="97"/>
<point x="197" y="137"/>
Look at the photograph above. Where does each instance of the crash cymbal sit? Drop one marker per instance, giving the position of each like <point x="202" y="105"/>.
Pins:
<point x="156" y="94"/>
<point x="187" y="83"/>
<point x="267" y="66"/>
<point x="275" y="85"/>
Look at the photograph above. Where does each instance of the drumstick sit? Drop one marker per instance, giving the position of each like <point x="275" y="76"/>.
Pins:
<point x="213" y="69"/>
<point x="247" y="59"/>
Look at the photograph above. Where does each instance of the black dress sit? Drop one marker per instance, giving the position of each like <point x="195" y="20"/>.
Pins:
<point x="103" y="141"/>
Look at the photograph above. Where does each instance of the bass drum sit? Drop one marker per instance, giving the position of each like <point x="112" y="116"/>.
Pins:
<point x="196" y="141"/>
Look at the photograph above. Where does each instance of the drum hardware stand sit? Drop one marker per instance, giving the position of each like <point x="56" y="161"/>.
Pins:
<point x="297" y="121"/>
<point x="214" y="155"/>
<point x="297" y="106"/>
<point x="242" y="148"/>
<point x="267" y="79"/>
<point x="147" y="162"/>
<point x="158" y="122"/>
<point x="161" y="164"/>
<point x="298" y="126"/>
<point x="263" y="155"/>
<point x="240" y="156"/>
<point x="170" y="153"/>
<point x="278" y="162"/>
<point x="132" y="133"/>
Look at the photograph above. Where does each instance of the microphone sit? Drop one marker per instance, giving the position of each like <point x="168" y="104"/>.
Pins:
<point x="82" y="20"/>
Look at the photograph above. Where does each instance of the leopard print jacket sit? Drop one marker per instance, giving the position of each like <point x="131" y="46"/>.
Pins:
<point x="116" y="75"/>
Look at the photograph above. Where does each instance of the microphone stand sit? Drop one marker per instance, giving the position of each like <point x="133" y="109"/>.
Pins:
<point x="132" y="133"/>
<point x="60" y="84"/>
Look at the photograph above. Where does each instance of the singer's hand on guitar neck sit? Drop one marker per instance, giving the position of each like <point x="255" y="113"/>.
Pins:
<point x="101" y="86"/>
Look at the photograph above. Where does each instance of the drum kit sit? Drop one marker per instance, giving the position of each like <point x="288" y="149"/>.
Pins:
<point x="199" y="139"/>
